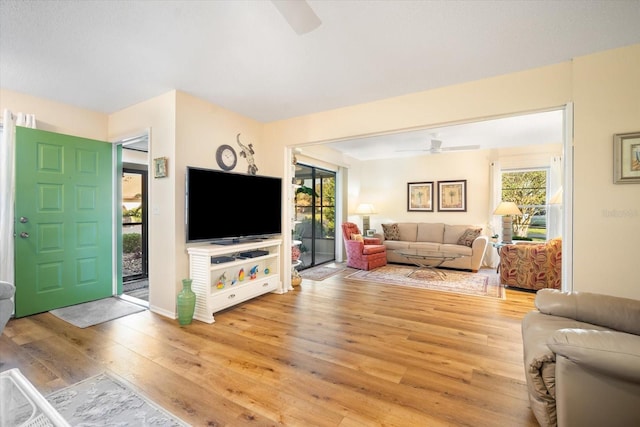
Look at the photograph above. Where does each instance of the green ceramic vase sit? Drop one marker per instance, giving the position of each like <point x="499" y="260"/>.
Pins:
<point x="186" y="303"/>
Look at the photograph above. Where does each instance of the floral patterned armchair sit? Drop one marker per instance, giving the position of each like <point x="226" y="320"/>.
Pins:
<point x="532" y="266"/>
<point x="364" y="253"/>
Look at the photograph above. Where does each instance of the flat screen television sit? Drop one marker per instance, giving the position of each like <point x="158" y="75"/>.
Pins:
<point x="226" y="208"/>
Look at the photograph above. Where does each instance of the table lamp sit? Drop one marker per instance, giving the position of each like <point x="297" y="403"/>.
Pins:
<point x="365" y="209"/>
<point x="506" y="209"/>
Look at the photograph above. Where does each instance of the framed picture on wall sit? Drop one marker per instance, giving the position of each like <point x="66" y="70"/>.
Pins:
<point x="420" y="196"/>
<point x="160" y="167"/>
<point x="452" y="196"/>
<point x="626" y="158"/>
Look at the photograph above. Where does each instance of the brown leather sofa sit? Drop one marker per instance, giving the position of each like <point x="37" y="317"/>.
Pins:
<point x="582" y="359"/>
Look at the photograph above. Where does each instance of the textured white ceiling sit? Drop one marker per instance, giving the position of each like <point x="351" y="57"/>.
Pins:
<point x="243" y="56"/>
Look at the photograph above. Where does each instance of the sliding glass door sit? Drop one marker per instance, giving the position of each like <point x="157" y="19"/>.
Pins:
<point x="315" y="211"/>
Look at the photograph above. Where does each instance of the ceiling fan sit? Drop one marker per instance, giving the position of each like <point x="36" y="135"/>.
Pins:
<point x="298" y="14"/>
<point x="437" y="148"/>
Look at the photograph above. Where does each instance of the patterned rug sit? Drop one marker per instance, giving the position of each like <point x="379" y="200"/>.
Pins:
<point x="423" y="278"/>
<point x="104" y="400"/>
<point x="320" y="273"/>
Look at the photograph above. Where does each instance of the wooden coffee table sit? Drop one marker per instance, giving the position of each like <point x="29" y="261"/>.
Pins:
<point x="428" y="259"/>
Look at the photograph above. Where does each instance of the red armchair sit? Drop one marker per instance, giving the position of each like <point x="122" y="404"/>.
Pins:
<point x="364" y="253"/>
<point x="532" y="266"/>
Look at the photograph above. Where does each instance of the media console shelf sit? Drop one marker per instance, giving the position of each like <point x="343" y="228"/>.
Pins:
<point x="242" y="278"/>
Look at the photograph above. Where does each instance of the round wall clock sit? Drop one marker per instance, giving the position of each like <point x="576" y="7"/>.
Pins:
<point x="226" y="157"/>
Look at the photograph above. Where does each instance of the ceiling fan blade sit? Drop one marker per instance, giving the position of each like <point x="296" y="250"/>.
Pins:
<point x="298" y="14"/>
<point x="461" y="148"/>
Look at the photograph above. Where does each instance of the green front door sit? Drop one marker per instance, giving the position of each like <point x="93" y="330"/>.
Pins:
<point x="64" y="214"/>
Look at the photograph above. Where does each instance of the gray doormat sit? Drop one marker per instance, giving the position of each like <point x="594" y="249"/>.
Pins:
<point x="96" y="312"/>
<point x="107" y="400"/>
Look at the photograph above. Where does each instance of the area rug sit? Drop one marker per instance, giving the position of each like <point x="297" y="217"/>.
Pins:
<point x="320" y="273"/>
<point x="96" y="312"/>
<point x="105" y="400"/>
<point x="453" y="281"/>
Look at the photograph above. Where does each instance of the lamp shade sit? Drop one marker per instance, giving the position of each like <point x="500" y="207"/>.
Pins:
<point x="365" y="209"/>
<point x="556" y="199"/>
<point x="507" y="208"/>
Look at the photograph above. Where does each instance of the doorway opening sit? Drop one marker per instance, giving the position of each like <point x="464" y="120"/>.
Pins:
<point x="315" y="215"/>
<point x="135" y="256"/>
<point x="135" y="223"/>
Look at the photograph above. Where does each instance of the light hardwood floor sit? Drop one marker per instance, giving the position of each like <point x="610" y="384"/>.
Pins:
<point x="330" y="353"/>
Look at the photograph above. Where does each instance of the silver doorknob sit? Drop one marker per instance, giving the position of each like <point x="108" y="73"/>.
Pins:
<point x="24" y="235"/>
<point x="24" y="219"/>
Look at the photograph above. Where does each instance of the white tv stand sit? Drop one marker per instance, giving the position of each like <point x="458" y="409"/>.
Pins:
<point x="205" y="275"/>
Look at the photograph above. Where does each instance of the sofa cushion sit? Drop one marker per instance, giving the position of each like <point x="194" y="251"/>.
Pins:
<point x="425" y="246"/>
<point x="469" y="235"/>
<point x="408" y="231"/>
<point x="395" y="244"/>
<point x="357" y="237"/>
<point x="456" y="249"/>
<point x="430" y="232"/>
<point x="606" y="311"/>
<point x="453" y="232"/>
<point x="373" y="249"/>
<point x="391" y="231"/>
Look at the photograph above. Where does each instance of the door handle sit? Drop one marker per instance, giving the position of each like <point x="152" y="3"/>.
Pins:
<point x="24" y="219"/>
<point x="24" y="235"/>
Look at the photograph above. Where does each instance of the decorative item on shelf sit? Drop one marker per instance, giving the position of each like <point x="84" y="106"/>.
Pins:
<point x="506" y="209"/>
<point x="234" y="281"/>
<point x="253" y="273"/>
<point x="241" y="274"/>
<point x="186" y="303"/>
<point x="267" y="271"/>
<point x="222" y="281"/>
<point x="296" y="279"/>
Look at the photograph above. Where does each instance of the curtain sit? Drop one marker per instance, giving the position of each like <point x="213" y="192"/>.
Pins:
<point x="494" y="225"/>
<point x="7" y="189"/>
<point x="554" y="226"/>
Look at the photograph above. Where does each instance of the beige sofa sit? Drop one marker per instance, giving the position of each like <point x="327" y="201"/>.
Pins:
<point x="582" y="359"/>
<point x="435" y="237"/>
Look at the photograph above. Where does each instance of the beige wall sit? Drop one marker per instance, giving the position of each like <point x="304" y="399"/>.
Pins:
<point x="159" y="117"/>
<point x="604" y="87"/>
<point x="201" y="128"/>
<point x="605" y="90"/>
<point x="188" y="131"/>
<point x="607" y="216"/>
<point x="384" y="183"/>
<point x="56" y="117"/>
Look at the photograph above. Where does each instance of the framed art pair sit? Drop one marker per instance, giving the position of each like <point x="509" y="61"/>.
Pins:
<point x="452" y="196"/>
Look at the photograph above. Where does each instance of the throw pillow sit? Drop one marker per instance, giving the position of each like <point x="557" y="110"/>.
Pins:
<point x="391" y="231"/>
<point x="469" y="235"/>
<point x="357" y="237"/>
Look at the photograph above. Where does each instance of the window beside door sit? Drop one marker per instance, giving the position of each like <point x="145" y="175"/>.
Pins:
<point x="528" y="189"/>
